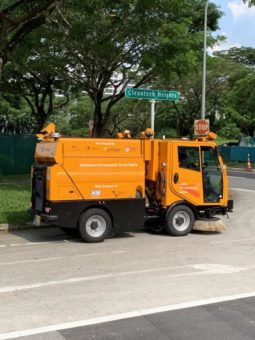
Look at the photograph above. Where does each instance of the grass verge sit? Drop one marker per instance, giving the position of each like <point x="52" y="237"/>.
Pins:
<point x="15" y="195"/>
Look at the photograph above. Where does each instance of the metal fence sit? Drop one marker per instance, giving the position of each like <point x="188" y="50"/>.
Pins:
<point x="16" y="154"/>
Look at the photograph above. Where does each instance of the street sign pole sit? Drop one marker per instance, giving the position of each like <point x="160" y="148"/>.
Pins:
<point x="152" y="114"/>
<point x="204" y="62"/>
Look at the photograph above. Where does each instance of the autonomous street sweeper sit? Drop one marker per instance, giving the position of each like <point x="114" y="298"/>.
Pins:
<point x="97" y="186"/>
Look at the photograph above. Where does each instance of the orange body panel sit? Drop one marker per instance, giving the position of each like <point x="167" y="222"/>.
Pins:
<point x="93" y="168"/>
<point x="86" y="168"/>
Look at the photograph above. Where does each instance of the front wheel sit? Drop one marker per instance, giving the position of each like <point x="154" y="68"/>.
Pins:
<point x="179" y="221"/>
<point x="95" y="224"/>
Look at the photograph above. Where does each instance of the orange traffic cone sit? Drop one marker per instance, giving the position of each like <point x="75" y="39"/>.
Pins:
<point x="249" y="168"/>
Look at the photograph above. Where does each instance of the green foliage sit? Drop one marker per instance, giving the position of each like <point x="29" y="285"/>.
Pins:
<point x="32" y="75"/>
<point x="74" y="119"/>
<point x="242" y="98"/>
<point x="249" y="2"/>
<point x="141" y="39"/>
<point x="241" y="55"/>
<point x="156" y="44"/>
<point x="238" y="99"/>
<point x="15" y="116"/>
<point x="230" y="131"/>
<point x="17" y="20"/>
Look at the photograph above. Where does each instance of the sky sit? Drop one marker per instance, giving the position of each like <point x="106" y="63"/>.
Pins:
<point x="237" y="24"/>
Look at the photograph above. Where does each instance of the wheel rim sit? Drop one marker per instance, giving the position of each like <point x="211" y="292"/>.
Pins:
<point x="96" y="226"/>
<point x="181" y="220"/>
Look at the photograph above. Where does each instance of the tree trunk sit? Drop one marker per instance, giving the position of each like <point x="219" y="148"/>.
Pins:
<point x="41" y="118"/>
<point x="1" y="68"/>
<point x="1" y="64"/>
<point x="98" y="121"/>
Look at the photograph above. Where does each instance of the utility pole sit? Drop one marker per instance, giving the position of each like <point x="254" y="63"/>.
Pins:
<point x="204" y="62"/>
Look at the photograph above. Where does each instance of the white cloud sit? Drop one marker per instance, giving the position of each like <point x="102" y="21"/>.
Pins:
<point x="239" y="9"/>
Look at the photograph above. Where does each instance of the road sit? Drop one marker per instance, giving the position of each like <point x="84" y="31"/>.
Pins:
<point x="241" y="179"/>
<point x="242" y="174"/>
<point x="134" y="286"/>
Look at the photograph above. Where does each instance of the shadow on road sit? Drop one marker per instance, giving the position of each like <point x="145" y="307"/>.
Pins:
<point x="55" y="234"/>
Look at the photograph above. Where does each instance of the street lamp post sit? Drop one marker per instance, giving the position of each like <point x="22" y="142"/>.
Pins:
<point x="204" y="62"/>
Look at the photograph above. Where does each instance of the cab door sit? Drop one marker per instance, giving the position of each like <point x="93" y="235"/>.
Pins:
<point x="212" y="175"/>
<point x="186" y="174"/>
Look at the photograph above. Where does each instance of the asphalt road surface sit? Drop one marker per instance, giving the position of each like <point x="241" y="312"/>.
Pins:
<point x="232" y="320"/>
<point x="242" y="174"/>
<point x="133" y="286"/>
<point x="241" y="180"/>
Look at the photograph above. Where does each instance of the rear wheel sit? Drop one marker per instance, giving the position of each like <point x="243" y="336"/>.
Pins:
<point x="95" y="225"/>
<point x="179" y="221"/>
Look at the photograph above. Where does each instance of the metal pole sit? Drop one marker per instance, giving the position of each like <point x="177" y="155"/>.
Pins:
<point x="204" y="62"/>
<point x="152" y="114"/>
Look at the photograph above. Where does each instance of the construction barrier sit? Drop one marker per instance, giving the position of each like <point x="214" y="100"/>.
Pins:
<point x="16" y="154"/>
<point x="237" y="153"/>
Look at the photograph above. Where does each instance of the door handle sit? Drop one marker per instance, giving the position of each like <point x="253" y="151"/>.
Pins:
<point x="176" y="177"/>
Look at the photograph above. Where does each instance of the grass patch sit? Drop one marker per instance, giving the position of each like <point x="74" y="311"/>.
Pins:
<point x="15" y="193"/>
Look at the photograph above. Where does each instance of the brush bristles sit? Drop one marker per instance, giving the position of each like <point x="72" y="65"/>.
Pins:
<point x="209" y="225"/>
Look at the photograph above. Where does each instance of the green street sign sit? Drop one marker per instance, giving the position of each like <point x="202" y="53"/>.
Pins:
<point x="138" y="93"/>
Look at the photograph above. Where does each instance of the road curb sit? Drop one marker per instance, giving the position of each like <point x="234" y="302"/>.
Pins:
<point x="4" y="228"/>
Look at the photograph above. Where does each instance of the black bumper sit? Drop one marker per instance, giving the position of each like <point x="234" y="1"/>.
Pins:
<point x="230" y="206"/>
<point x="47" y="218"/>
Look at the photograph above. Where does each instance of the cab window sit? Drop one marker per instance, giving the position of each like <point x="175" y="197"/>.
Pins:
<point x="188" y="158"/>
<point x="212" y="176"/>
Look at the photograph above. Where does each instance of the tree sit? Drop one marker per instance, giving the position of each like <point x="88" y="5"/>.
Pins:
<point x="181" y="115"/>
<point x="242" y="99"/>
<point x="139" y="39"/>
<point x="15" y="117"/>
<point x="17" y="19"/>
<point x="240" y="55"/>
<point x="249" y="2"/>
<point x="35" y="79"/>
<point x="239" y="101"/>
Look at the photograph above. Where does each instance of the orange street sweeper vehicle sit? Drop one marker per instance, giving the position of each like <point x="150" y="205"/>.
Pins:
<point x="97" y="185"/>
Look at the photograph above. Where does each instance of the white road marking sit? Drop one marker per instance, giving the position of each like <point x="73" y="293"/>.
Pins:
<point x="245" y="190"/>
<point x="219" y="268"/>
<point x="201" y="269"/>
<point x="16" y="244"/>
<point x="128" y="315"/>
<point x="233" y="241"/>
<point x="62" y="257"/>
<point x="3" y="245"/>
<point x="10" y="289"/>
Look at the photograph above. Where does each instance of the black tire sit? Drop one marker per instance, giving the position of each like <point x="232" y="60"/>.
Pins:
<point x="95" y="225"/>
<point x="69" y="231"/>
<point x="179" y="221"/>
